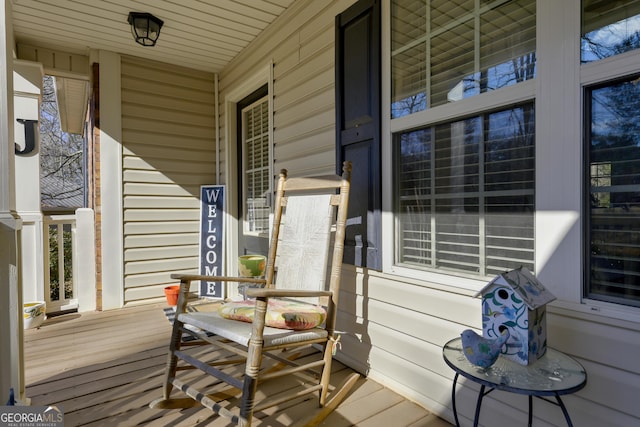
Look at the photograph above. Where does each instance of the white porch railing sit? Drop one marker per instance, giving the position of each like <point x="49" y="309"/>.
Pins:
<point x="60" y="284"/>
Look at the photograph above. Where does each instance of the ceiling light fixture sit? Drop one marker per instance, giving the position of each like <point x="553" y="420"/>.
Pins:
<point x="145" y="28"/>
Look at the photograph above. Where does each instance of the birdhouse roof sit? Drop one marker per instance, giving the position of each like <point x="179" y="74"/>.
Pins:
<point x="525" y="284"/>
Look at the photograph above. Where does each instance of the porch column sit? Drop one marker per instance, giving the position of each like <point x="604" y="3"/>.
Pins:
<point x="27" y="86"/>
<point x="11" y="357"/>
<point x="110" y="209"/>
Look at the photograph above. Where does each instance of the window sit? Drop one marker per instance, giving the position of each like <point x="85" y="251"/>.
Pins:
<point x="465" y="193"/>
<point x="256" y="167"/>
<point x="609" y="28"/>
<point x="463" y="49"/>
<point x="464" y="182"/>
<point x="612" y="151"/>
<point x="613" y="177"/>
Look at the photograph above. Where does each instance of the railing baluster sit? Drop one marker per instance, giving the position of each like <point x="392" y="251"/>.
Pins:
<point x="61" y="224"/>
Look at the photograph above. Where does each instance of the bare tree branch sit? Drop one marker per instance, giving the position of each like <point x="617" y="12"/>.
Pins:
<point x="61" y="156"/>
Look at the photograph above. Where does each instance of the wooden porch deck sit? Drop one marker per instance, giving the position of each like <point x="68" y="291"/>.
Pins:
<point x="103" y="369"/>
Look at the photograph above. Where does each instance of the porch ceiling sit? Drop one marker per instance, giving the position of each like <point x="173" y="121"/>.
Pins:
<point x="199" y="34"/>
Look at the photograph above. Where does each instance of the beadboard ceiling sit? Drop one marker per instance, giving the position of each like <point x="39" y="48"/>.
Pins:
<point x="199" y="34"/>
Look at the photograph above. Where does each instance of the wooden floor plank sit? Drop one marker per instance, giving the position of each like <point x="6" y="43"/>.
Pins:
<point x="352" y="413"/>
<point x="430" y="420"/>
<point x="404" y="413"/>
<point x="104" y="368"/>
<point x="82" y="377"/>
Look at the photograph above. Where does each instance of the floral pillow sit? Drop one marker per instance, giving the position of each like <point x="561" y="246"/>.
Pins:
<point x="283" y="314"/>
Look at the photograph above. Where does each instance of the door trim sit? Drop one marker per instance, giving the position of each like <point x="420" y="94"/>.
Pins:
<point x="248" y="85"/>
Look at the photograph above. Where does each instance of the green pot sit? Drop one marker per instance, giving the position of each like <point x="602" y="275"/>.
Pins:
<point x="251" y="265"/>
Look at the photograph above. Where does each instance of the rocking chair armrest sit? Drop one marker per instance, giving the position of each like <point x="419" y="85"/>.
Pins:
<point x="284" y="293"/>
<point x="191" y="277"/>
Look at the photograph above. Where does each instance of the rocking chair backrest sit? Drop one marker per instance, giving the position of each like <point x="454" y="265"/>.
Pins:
<point x="308" y="232"/>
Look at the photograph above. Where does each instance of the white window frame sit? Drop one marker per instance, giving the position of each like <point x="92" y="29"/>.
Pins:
<point x="592" y="73"/>
<point x="479" y="104"/>
<point x="611" y="68"/>
<point x="557" y="90"/>
<point x="236" y="93"/>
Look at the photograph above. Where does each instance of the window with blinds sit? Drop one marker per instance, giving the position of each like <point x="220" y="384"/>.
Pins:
<point x="447" y="50"/>
<point x="256" y="167"/>
<point x="613" y="183"/>
<point x="609" y="28"/>
<point x="464" y="193"/>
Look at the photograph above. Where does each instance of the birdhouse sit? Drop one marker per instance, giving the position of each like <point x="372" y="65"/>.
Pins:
<point x="516" y="300"/>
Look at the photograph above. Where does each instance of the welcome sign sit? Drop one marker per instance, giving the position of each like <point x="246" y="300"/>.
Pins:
<point x="212" y="199"/>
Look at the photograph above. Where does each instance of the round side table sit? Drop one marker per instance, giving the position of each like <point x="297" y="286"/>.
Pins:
<point x="553" y="375"/>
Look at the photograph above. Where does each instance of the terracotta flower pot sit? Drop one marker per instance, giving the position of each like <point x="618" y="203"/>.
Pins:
<point x="171" y="292"/>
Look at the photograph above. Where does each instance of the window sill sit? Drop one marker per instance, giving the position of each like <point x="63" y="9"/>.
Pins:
<point x="596" y="311"/>
<point x="438" y="281"/>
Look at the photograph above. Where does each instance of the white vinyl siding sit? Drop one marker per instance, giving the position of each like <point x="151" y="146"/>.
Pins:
<point x="395" y="323"/>
<point x="398" y="327"/>
<point x="301" y="49"/>
<point x="168" y="152"/>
